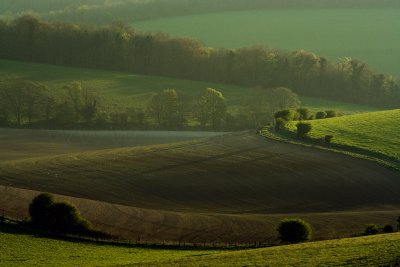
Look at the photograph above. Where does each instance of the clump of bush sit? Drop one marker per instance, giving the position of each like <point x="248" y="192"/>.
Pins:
<point x="328" y="139"/>
<point x="388" y="229"/>
<point x="287" y="115"/>
<point x="280" y="124"/>
<point x="304" y="114"/>
<point x="372" y="229"/>
<point x="320" y="115"/>
<point x="294" y="231"/>
<point x="303" y="129"/>
<point x="330" y="114"/>
<point x="62" y="217"/>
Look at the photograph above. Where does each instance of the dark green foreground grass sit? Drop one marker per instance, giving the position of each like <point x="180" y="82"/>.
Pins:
<point x="25" y="249"/>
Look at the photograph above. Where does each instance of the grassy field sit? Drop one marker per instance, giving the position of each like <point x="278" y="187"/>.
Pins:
<point x="366" y="34"/>
<point x="24" y="249"/>
<point x="129" y="90"/>
<point x="376" y="132"/>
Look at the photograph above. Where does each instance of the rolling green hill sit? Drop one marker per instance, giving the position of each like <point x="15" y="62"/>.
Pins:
<point x="369" y="133"/>
<point x="120" y="90"/>
<point x="24" y="249"/>
<point x="331" y="32"/>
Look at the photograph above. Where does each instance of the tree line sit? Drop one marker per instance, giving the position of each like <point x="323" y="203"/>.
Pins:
<point x="119" y="47"/>
<point x="32" y="104"/>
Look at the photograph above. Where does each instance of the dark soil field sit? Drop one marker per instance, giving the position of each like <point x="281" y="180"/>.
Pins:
<point x="233" y="187"/>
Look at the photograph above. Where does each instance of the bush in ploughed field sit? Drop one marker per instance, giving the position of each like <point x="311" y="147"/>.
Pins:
<point x="62" y="217"/>
<point x="388" y="229"/>
<point x="372" y="229"/>
<point x="294" y="231"/>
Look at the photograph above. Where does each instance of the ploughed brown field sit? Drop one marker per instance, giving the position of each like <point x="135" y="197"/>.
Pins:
<point x="232" y="187"/>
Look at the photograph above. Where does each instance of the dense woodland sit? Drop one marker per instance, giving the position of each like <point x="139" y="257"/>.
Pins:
<point x="119" y="47"/>
<point x="105" y="11"/>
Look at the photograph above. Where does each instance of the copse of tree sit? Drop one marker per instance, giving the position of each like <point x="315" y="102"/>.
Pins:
<point x="119" y="47"/>
<point x="24" y="99"/>
<point x="62" y="217"/>
<point x="166" y="108"/>
<point x="261" y="103"/>
<point x="294" y="231"/>
<point x="303" y="129"/>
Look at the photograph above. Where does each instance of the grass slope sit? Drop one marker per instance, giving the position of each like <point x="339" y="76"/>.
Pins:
<point x="330" y="32"/>
<point x="24" y="249"/>
<point x="129" y="90"/>
<point x="375" y="132"/>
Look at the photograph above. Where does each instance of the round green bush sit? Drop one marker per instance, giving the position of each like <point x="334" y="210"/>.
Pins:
<point x="371" y="229"/>
<point x="388" y="229"/>
<point x="303" y="129"/>
<point x="39" y="209"/>
<point x="320" y="115"/>
<point x="294" y="231"/>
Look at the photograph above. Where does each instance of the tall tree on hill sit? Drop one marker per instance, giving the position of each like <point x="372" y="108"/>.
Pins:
<point x="164" y="107"/>
<point x="22" y="98"/>
<point x="210" y="108"/>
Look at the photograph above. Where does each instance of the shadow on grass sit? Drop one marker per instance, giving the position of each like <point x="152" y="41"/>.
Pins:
<point x="19" y="228"/>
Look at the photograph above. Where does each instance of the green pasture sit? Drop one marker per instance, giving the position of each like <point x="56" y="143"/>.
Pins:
<point x="366" y="34"/>
<point x="377" y="132"/>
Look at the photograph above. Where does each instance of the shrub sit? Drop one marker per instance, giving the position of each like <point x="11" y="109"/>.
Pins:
<point x="320" y="115"/>
<point x="56" y="216"/>
<point x="280" y="124"/>
<point x="67" y="219"/>
<point x="388" y="229"/>
<point x="303" y="114"/>
<point x="287" y="115"/>
<point x="330" y="114"/>
<point x="398" y="223"/>
<point x="328" y="139"/>
<point x="39" y="209"/>
<point x="371" y="229"/>
<point x="303" y="129"/>
<point x="294" y="231"/>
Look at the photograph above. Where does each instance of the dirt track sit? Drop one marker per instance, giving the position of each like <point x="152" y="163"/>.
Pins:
<point x="238" y="173"/>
